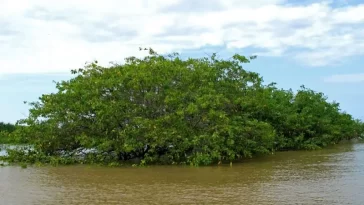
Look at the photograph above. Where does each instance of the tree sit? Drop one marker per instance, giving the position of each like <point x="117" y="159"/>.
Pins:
<point x="164" y="109"/>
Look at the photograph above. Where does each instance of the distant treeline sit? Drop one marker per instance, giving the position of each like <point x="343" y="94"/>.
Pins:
<point x="5" y="130"/>
<point x="169" y="110"/>
<point x="7" y="127"/>
<point x="12" y="134"/>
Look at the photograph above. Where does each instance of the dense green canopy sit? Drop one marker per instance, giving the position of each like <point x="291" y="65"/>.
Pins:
<point x="164" y="109"/>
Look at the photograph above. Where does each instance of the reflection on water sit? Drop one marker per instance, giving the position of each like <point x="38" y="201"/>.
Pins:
<point x="3" y="148"/>
<point x="329" y="176"/>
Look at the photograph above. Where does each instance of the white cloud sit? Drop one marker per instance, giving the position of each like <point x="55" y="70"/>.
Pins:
<point x="56" y="36"/>
<point x="345" y="78"/>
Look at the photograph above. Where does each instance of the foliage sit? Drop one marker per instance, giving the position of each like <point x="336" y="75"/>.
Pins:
<point x="12" y="134"/>
<point x="5" y="131"/>
<point x="167" y="110"/>
<point x="8" y="127"/>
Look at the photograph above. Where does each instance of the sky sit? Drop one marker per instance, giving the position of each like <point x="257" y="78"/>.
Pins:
<point x="319" y="44"/>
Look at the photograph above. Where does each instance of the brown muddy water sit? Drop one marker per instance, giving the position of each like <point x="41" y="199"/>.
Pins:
<point x="329" y="176"/>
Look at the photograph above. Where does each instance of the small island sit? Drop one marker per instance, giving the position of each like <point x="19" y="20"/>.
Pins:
<point x="162" y="109"/>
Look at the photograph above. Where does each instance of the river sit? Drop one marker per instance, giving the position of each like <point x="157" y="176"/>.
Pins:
<point x="330" y="176"/>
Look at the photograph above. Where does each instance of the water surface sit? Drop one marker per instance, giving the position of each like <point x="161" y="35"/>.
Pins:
<point x="329" y="176"/>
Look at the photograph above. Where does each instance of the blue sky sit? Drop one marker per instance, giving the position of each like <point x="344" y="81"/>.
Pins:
<point x="316" y="43"/>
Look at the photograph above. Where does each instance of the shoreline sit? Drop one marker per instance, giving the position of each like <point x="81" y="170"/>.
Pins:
<point x="131" y="163"/>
